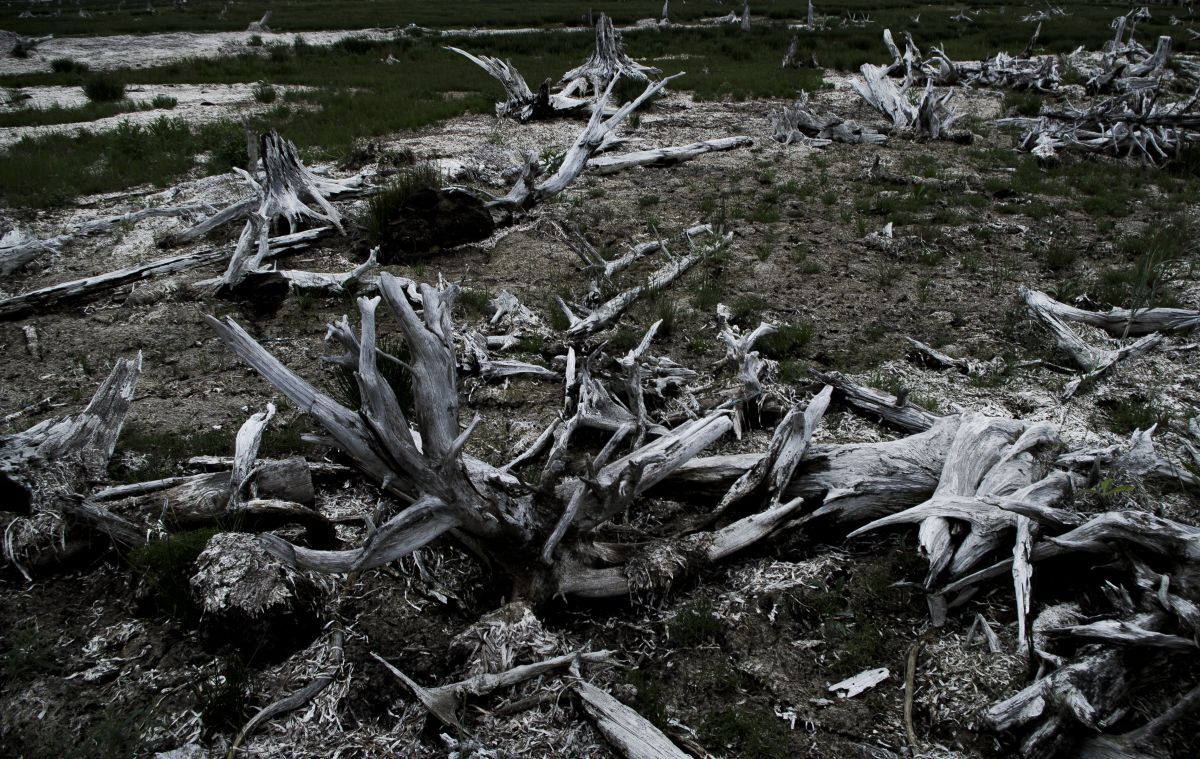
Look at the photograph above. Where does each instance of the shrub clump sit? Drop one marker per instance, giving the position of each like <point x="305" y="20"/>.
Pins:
<point x="104" y="88"/>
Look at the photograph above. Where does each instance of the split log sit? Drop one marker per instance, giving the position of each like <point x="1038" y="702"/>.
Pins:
<point x="1092" y="361"/>
<point x="800" y="124"/>
<point x="607" y="64"/>
<point x="629" y="732"/>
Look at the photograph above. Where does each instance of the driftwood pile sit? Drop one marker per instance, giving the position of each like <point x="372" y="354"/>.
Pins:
<point x="977" y="488"/>
<point x="1140" y="123"/>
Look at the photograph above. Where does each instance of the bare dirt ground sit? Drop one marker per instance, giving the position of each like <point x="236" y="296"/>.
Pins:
<point x="763" y="636"/>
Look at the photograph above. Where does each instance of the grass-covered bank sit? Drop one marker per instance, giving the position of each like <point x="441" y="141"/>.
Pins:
<point x="350" y="94"/>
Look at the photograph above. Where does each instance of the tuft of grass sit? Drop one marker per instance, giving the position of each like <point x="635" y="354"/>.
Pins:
<point x="1131" y="414"/>
<point x="68" y="66"/>
<point x="164" y="101"/>
<point x="52" y="169"/>
<point x="750" y="730"/>
<point x="787" y="342"/>
<point x="160" y="451"/>
<point x="223" y="701"/>
<point x="695" y="625"/>
<point x="265" y="93"/>
<point x="104" y="88"/>
<point x="384" y="206"/>
<point x="29" y="651"/>
<point x="345" y="388"/>
<point x="163" y="569"/>
<point x="1022" y="103"/>
<point x="746" y="309"/>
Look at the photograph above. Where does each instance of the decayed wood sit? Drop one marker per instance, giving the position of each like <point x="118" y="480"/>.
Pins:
<point x="897" y="412"/>
<point x="18" y="249"/>
<point x="1094" y="362"/>
<point x="607" y="64"/>
<point x="1138" y="123"/>
<point x="87" y="438"/>
<point x="776" y="468"/>
<point x="629" y="732"/>
<point x="443" y="701"/>
<point x="799" y="123"/>
<point x="79" y="289"/>
<point x="1122" y="322"/>
<point x="296" y="699"/>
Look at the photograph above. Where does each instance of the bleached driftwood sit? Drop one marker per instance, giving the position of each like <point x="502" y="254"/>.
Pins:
<point x="896" y="411"/>
<point x="798" y="123"/>
<point x="527" y="192"/>
<point x="629" y="732"/>
<point x="860" y="683"/>
<point x="1121" y="322"/>
<point x="443" y="701"/>
<point x="79" y="289"/>
<point x="607" y="64"/>
<point x="929" y="117"/>
<point x="1094" y="362"/>
<point x="85" y="440"/>
<point x="658" y="157"/>
<point x="17" y="249"/>
<point x="260" y="25"/>
<point x="1138" y="123"/>
<point x="607" y="313"/>
<point x="522" y="103"/>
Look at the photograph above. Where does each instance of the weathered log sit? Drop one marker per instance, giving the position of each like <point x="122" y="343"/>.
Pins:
<point x="79" y="289"/>
<point x="897" y="412"/>
<point x="629" y="732"/>
<point x="659" y="157"/>
<point x="1094" y="362"/>
<point x="443" y="701"/>
<point x="1122" y="322"/>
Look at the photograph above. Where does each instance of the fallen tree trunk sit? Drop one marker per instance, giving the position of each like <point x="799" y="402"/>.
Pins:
<point x="80" y="289"/>
<point x="659" y="157"/>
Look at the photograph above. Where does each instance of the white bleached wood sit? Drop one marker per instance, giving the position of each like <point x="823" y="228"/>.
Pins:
<point x="629" y="732"/>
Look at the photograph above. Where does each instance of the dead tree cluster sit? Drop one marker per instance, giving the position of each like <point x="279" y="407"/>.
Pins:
<point x="991" y="498"/>
<point x="1140" y="123"/>
<point x="579" y="89"/>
